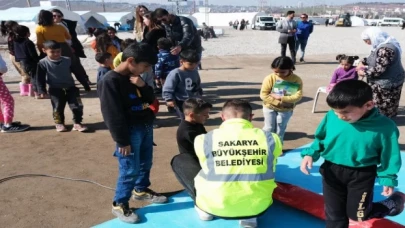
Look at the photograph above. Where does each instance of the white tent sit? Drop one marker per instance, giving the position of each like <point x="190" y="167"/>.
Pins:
<point x="358" y="21"/>
<point x="120" y="17"/>
<point x="92" y="19"/>
<point x="29" y="16"/>
<point x="223" y="19"/>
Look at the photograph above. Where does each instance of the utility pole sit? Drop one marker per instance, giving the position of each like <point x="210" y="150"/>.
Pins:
<point x="207" y="13"/>
<point x="178" y="7"/>
<point x="68" y="5"/>
<point x="29" y="3"/>
<point x="102" y="2"/>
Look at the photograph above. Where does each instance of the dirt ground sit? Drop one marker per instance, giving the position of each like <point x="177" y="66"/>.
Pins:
<point x="46" y="202"/>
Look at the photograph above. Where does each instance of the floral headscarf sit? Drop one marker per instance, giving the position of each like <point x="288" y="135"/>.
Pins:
<point x="379" y="37"/>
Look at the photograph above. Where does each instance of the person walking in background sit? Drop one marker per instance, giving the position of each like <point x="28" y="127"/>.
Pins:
<point x="327" y="22"/>
<point x="7" y="29"/>
<point x="139" y="26"/>
<point x="304" y="30"/>
<point x="242" y="25"/>
<point x="384" y="70"/>
<point x="287" y="29"/>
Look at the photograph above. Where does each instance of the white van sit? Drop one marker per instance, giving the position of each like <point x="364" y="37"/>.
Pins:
<point x="264" y="22"/>
<point x="391" y="21"/>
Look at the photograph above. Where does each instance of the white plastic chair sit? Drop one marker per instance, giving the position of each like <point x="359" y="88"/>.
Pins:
<point x="321" y="89"/>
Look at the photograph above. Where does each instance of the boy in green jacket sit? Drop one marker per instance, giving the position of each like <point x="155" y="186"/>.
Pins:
<point x="358" y="145"/>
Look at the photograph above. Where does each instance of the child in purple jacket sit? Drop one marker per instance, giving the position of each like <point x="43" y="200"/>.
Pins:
<point x="346" y="72"/>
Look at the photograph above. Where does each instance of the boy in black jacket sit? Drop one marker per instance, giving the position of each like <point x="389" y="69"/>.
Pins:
<point x="125" y="100"/>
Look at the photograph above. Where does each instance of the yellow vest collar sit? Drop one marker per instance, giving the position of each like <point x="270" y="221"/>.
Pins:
<point x="236" y="122"/>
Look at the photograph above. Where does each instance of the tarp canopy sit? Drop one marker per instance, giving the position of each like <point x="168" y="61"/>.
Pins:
<point x="223" y="19"/>
<point x="28" y="15"/>
<point x="115" y="17"/>
<point x="92" y="19"/>
<point x="358" y="21"/>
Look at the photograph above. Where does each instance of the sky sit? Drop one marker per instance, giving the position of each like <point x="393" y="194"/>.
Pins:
<point x="275" y="2"/>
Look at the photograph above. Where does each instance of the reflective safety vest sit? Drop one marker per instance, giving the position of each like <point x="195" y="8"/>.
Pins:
<point x="238" y="165"/>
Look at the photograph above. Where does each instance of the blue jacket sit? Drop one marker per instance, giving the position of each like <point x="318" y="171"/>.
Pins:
<point x="304" y="29"/>
<point x="166" y="63"/>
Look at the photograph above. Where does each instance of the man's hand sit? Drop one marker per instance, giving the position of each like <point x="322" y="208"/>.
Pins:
<point x="387" y="191"/>
<point x="275" y="96"/>
<point x="176" y="50"/>
<point x="171" y="104"/>
<point x="137" y="80"/>
<point x="125" y="150"/>
<point x="306" y="164"/>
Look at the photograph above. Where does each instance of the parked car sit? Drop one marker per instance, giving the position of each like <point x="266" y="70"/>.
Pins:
<point x="264" y="22"/>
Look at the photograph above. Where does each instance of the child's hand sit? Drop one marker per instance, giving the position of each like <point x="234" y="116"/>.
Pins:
<point x="43" y="96"/>
<point x="387" y="191"/>
<point x="275" y="96"/>
<point x="306" y="164"/>
<point x="171" y="104"/>
<point x="125" y="150"/>
<point x="137" y="80"/>
<point x="361" y="73"/>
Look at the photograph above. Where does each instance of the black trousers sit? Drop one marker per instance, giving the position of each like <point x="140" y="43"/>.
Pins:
<point x="348" y="194"/>
<point x="59" y="98"/>
<point x="186" y="168"/>
<point x="291" y="46"/>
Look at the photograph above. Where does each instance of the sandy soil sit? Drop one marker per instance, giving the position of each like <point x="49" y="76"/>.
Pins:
<point x="44" y="202"/>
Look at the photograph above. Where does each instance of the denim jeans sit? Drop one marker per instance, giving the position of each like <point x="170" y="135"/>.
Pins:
<point x="276" y="122"/>
<point x="179" y="109"/>
<point x="301" y="44"/>
<point x="134" y="169"/>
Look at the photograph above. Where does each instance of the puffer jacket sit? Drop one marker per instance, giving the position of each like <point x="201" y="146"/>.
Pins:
<point x="183" y="32"/>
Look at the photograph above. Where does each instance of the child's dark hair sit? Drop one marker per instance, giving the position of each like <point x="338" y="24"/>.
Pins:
<point x="341" y="57"/>
<point x="164" y="44"/>
<point x="95" y="31"/>
<point x="195" y="105"/>
<point x="349" y="59"/>
<point x="102" y="57"/>
<point x="111" y="29"/>
<point x="51" y="44"/>
<point x="125" y="43"/>
<point x="283" y="63"/>
<point x="7" y="28"/>
<point x="190" y="56"/>
<point x="21" y="31"/>
<point x="141" y="52"/>
<point x="102" y="42"/>
<point x="349" y="93"/>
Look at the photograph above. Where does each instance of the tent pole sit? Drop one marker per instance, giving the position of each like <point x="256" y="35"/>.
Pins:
<point x="102" y="2"/>
<point x="29" y="3"/>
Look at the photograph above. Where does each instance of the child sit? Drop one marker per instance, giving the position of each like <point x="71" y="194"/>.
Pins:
<point x="104" y="44"/>
<point x="186" y="165"/>
<point x="346" y="72"/>
<point x="7" y="102"/>
<point x="125" y="101"/>
<point x="166" y="62"/>
<point x="105" y="60"/>
<point x="55" y="70"/>
<point x="124" y="44"/>
<point x="25" y="53"/>
<point x="280" y="92"/>
<point x="183" y="83"/>
<point x="7" y="29"/>
<point x="358" y="145"/>
<point x="115" y="40"/>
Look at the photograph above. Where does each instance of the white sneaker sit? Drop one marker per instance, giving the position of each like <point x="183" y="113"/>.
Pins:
<point x="203" y="215"/>
<point x="248" y="223"/>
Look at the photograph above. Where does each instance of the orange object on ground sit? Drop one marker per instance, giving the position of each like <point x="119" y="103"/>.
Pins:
<point x="313" y="204"/>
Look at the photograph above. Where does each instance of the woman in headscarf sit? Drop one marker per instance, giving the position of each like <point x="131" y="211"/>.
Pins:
<point x="139" y="25"/>
<point x="383" y="70"/>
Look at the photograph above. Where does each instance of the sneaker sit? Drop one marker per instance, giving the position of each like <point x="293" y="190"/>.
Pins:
<point x="79" y="128"/>
<point x="14" y="128"/>
<point x="171" y="110"/>
<point x="203" y="215"/>
<point x="394" y="203"/>
<point x="149" y="195"/>
<point x="124" y="213"/>
<point x="157" y="90"/>
<point x="302" y="60"/>
<point x="61" y="128"/>
<point x="13" y="123"/>
<point x="248" y="223"/>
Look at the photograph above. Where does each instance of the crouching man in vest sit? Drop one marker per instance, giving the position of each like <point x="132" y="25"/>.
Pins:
<point x="238" y="164"/>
